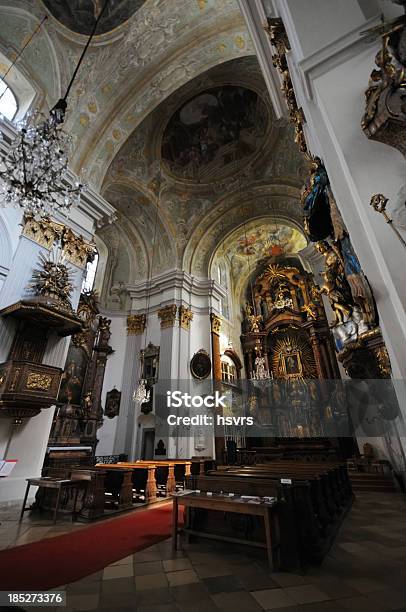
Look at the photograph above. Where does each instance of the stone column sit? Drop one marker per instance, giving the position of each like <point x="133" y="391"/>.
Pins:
<point x="127" y="417"/>
<point x="215" y="326"/>
<point x="168" y="365"/>
<point x="215" y="322"/>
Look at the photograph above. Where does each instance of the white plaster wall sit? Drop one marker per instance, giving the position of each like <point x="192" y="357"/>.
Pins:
<point x="28" y="445"/>
<point x="317" y="22"/>
<point x="113" y="378"/>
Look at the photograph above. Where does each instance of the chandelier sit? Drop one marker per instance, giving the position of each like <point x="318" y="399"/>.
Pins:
<point x="33" y="173"/>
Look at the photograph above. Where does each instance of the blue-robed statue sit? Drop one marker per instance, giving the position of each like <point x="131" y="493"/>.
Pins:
<point x="316" y="203"/>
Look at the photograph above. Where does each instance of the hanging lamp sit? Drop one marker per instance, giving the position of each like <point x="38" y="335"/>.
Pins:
<point x="33" y="171"/>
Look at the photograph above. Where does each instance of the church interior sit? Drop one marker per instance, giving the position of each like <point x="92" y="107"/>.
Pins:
<point x="202" y="305"/>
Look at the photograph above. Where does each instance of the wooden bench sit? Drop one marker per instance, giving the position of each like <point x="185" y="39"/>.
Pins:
<point x="143" y="477"/>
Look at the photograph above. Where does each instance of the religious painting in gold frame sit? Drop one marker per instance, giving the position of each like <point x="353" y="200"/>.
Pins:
<point x="292" y="356"/>
<point x="291" y="363"/>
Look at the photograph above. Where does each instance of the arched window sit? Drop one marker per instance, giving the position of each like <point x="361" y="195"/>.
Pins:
<point x="228" y="370"/>
<point x="90" y="275"/>
<point x="8" y="102"/>
<point x="223" y="280"/>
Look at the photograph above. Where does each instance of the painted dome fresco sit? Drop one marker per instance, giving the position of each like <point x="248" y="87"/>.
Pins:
<point x="80" y="15"/>
<point x="213" y="131"/>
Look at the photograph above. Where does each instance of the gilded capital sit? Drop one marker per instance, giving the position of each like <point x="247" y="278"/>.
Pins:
<point x="185" y="317"/>
<point x="167" y="314"/>
<point x="135" y="324"/>
<point x="215" y="322"/>
<point x="46" y="233"/>
<point x="42" y="231"/>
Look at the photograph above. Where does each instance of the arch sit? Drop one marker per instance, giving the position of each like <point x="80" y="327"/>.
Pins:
<point x="256" y="201"/>
<point x="31" y="83"/>
<point x="183" y="61"/>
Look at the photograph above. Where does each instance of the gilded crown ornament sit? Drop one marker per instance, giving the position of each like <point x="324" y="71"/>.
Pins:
<point x="53" y="282"/>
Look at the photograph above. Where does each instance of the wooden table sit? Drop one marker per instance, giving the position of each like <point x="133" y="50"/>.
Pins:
<point x="52" y="483"/>
<point x="236" y="504"/>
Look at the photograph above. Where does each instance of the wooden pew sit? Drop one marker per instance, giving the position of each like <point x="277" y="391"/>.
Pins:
<point x="119" y="484"/>
<point x="201" y="465"/>
<point x="164" y="473"/>
<point x="320" y="496"/>
<point x="143" y="477"/>
<point x="182" y="467"/>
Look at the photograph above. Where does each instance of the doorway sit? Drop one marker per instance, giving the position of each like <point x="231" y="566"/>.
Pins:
<point x="148" y="441"/>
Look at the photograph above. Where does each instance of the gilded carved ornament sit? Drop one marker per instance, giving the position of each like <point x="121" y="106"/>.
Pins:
<point x="215" y="322"/>
<point x="53" y="282"/>
<point x="185" y="317"/>
<point x="383" y="360"/>
<point x="279" y="40"/>
<point x="384" y="119"/>
<point x="167" y="314"/>
<point x="46" y="233"/>
<point x="136" y="324"/>
<point x="38" y="382"/>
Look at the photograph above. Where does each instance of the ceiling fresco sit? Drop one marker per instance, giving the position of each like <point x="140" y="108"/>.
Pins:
<point x="258" y="241"/>
<point x="80" y="15"/>
<point x="214" y="130"/>
<point x="270" y="239"/>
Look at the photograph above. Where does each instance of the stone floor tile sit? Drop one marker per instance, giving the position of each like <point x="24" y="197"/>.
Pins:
<point x="84" y="602"/>
<point x="125" y="561"/>
<point x="201" y="605"/>
<point x="285" y="579"/>
<point x="149" y="567"/>
<point x="194" y="591"/>
<point x="222" y="584"/>
<point x="170" y="607"/>
<point x="269" y="599"/>
<point x="154" y="596"/>
<point x="182" y="577"/>
<point x="213" y="570"/>
<point x="334" y="588"/>
<point x="306" y="593"/>
<point x="151" y="581"/>
<point x="238" y="601"/>
<point x="117" y="571"/>
<point x="365" y="585"/>
<point x="256" y="580"/>
<point x="361" y="604"/>
<point x="118" y="585"/>
<point x="173" y="565"/>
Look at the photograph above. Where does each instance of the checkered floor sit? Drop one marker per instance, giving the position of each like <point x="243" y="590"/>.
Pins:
<point x="365" y="570"/>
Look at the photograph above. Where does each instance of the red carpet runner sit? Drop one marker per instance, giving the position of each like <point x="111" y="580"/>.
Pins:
<point x="56" y="561"/>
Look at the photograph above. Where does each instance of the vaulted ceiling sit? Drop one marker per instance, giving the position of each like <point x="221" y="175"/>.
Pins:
<point x="155" y="66"/>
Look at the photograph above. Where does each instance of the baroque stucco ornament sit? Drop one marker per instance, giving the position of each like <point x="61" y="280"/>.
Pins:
<point x="46" y="233"/>
<point x="167" y="314"/>
<point x="136" y="324"/>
